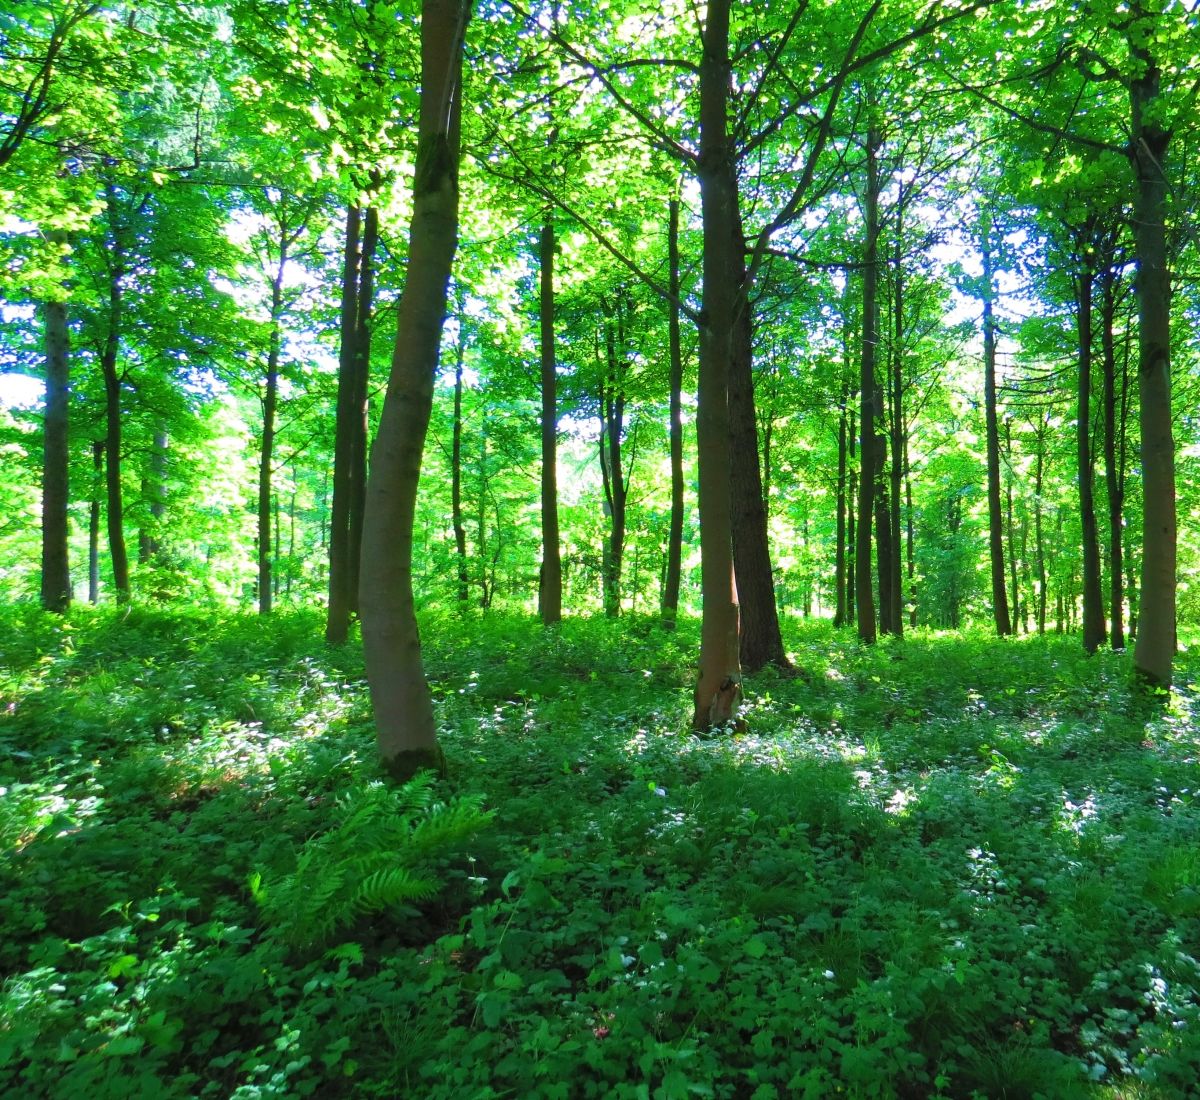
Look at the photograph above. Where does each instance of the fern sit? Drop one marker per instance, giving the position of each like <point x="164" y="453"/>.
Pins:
<point x="379" y="856"/>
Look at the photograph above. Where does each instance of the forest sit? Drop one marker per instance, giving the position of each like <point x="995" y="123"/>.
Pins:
<point x="614" y="548"/>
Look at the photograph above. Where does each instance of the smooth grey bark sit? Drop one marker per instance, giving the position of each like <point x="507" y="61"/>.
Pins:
<point x="1093" y="606"/>
<point x="671" y="583"/>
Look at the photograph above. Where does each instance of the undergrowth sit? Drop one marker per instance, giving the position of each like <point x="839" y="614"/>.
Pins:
<point x="951" y="866"/>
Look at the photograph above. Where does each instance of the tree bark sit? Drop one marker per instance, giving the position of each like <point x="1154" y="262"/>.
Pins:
<point x="719" y="685"/>
<point x="94" y="507"/>
<point x="1154" y="651"/>
<point x="616" y="489"/>
<point x="56" y="570"/>
<point x="670" y="600"/>
<point x="995" y="516"/>
<point x="266" y="450"/>
<point x="404" y="720"/>
<point x="1114" y="456"/>
<point x="840" y="617"/>
<point x="1093" y="605"/>
<point x="337" y="620"/>
<point x="869" y="398"/>
<point x="362" y="383"/>
<point x="550" y="581"/>
<point x="456" y="512"/>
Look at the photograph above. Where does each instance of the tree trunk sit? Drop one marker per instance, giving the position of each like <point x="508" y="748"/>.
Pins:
<point x="869" y="397"/>
<point x="1114" y="457"/>
<point x="612" y="425"/>
<point x="362" y="383"/>
<point x="670" y="600"/>
<point x="719" y="685"/>
<point x="995" y="517"/>
<point x="550" y="582"/>
<point x="94" y="506"/>
<point x="1093" y="604"/>
<point x="840" y="617"/>
<point x="897" y="427"/>
<point x="456" y="512"/>
<point x="760" y="639"/>
<point x="337" y="620"/>
<point x="154" y="494"/>
<point x="1155" y="649"/>
<point x="1038" y="537"/>
<point x="400" y="695"/>
<point x="56" y="570"/>
<point x="266" y="451"/>
<point x="1011" y="526"/>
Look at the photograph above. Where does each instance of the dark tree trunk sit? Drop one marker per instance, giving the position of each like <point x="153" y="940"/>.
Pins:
<point x="1011" y="526"/>
<point x="840" y="616"/>
<point x="154" y="493"/>
<point x="760" y="639"/>
<point x="362" y="384"/>
<point x="870" y="398"/>
<point x="670" y="600"/>
<point x="1115" y="404"/>
<point x="266" y="450"/>
<point x="995" y="516"/>
<point x="1155" y="649"/>
<point x="1093" y="605"/>
<point x="550" y="583"/>
<point x="897" y="429"/>
<point x="337" y="622"/>
<point x="456" y="512"/>
<point x="94" y="506"/>
<point x="719" y="685"/>
<point x="56" y="571"/>
<point x="616" y="488"/>
<point x="400" y="695"/>
<point x="112" y="401"/>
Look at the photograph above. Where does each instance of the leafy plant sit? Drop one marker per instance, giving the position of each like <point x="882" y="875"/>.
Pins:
<point x="380" y="855"/>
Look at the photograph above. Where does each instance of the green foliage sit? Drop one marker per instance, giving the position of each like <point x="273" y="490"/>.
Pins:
<point x="369" y="861"/>
<point x="950" y="867"/>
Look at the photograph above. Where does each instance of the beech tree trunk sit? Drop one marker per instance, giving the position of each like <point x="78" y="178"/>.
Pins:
<point x="456" y="512"/>
<point x="337" y="621"/>
<point x="719" y="685"/>
<point x="403" y="707"/>
<point x="362" y="382"/>
<point x="840" y="617"/>
<point x="94" y="506"/>
<point x="266" y="452"/>
<point x="616" y="487"/>
<point x="869" y="398"/>
<point x="995" y="516"/>
<point x="670" y="599"/>
<point x="1093" y="605"/>
<point x="154" y="495"/>
<point x="1115" y="405"/>
<point x="56" y="571"/>
<point x="550" y="581"/>
<point x="1154" y="652"/>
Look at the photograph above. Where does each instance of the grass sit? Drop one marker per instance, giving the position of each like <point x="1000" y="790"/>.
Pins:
<point x="946" y="867"/>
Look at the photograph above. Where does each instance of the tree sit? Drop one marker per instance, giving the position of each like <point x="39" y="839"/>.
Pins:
<point x="391" y="640"/>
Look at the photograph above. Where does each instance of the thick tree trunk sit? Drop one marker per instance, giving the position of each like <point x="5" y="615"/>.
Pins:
<point x="337" y="621"/>
<point x="870" y="400"/>
<point x="995" y="516"/>
<point x="719" y="685"/>
<point x="550" y="581"/>
<point x="400" y="695"/>
<point x="362" y="383"/>
<point x="670" y="599"/>
<point x="1155" y="649"/>
<point x="1093" y="605"/>
<point x="56" y="571"/>
<point x="1114" y="458"/>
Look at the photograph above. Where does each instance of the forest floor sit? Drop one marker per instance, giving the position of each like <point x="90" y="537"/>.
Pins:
<point x="950" y="866"/>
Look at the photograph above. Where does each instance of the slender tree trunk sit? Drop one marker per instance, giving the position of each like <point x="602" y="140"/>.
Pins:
<point x="1038" y="537"/>
<point x="154" y="494"/>
<point x="995" y="517"/>
<point x="910" y="541"/>
<point x="1011" y="527"/>
<point x="898" y="428"/>
<point x="56" y="570"/>
<point x="94" y="506"/>
<point x="266" y="451"/>
<point x="670" y="600"/>
<point x="760" y="638"/>
<point x="550" y="584"/>
<point x="456" y="512"/>
<point x="719" y="685"/>
<point x="869" y="396"/>
<point x="337" y="621"/>
<point x="362" y="384"/>
<point x="851" y="508"/>
<point x="400" y="695"/>
<point x="840" y="617"/>
<point x="612" y="425"/>
<point x="1093" y="604"/>
<point x="1155" y="649"/>
<point x="1114" y="431"/>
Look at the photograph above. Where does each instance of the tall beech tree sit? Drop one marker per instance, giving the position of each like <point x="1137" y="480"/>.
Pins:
<point x="403" y="707"/>
<point x="56" y="569"/>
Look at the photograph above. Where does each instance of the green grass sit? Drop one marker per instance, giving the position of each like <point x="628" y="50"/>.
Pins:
<point x="949" y="867"/>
